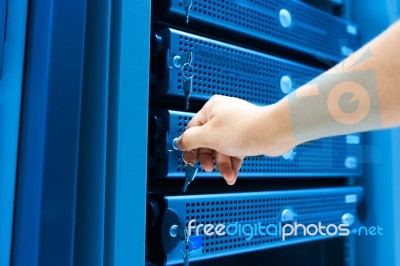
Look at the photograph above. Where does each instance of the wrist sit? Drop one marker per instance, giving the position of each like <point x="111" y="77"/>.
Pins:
<point x="277" y="129"/>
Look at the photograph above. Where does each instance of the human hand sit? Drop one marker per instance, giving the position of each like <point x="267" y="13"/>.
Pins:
<point x="227" y="129"/>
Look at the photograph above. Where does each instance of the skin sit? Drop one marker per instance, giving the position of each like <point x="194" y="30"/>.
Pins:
<point x="227" y="129"/>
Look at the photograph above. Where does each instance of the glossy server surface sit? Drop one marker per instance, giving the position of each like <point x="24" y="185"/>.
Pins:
<point x="309" y="206"/>
<point x="206" y="67"/>
<point x="291" y="24"/>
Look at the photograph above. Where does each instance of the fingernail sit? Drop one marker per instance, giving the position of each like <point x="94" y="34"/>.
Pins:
<point x="230" y="182"/>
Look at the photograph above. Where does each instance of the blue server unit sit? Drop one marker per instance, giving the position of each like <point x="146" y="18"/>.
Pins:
<point x="328" y="157"/>
<point x="292" y="24"/>
<point x="206" y="67"/>
<point x="309" y="206"/>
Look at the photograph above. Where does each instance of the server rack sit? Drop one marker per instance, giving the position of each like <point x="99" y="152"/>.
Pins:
<point x="123" y="69"/>
<point x="258" y="51"/>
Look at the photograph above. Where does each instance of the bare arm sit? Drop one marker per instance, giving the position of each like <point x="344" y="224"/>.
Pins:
<point x="359" y="94"/>
<point x="371" y="80"/>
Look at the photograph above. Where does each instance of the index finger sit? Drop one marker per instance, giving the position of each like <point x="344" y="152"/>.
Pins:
<point x="199" y="119"/>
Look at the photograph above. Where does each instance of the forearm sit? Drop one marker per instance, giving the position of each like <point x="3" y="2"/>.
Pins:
<point x="362" y="93"/>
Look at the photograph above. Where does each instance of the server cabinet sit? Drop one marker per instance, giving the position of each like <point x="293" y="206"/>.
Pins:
<point x="48" y="154"/>
<point x="255" y="50"/>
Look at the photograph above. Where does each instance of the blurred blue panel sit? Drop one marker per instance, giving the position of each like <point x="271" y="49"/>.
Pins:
<point x="10" y="106"/>
<point x="127" y="133"/>
<point x="3" y="12"/>
<point x="396" y="191"/>
<point x="90" y="212"/>
<point x="381" y="178"/>
<point x="374" y="16"/>
<point x="47" y="170"/>
<point x="379" y="203"/>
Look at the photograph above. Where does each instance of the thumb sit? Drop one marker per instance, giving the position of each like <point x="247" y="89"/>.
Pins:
<point x="194" y="138"/>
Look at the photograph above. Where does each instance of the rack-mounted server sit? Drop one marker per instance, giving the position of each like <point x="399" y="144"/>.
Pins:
<point x="329" y="207"/>
<point x="291" y="24"/>
<point x="329" y="157"/>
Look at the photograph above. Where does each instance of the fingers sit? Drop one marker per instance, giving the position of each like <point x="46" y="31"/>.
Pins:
<point x="202" y="116"/>
<point x="198" y="119"/>
<point x="228" y="166"/>
<point x="194" y="138"/>
<point x="198" y="139"/>
<point x="206" y="158"/>
<point x="236" y="164"/>
<point x="224" y="166"/>
<point x="196" y="135"/>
